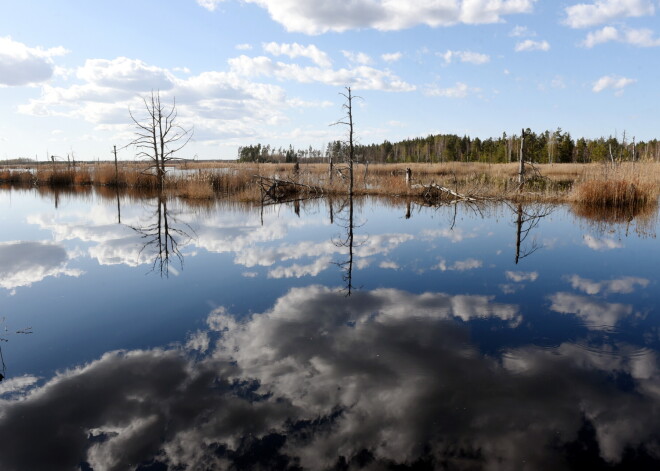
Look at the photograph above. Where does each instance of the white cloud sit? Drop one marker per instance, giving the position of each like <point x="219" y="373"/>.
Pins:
<point x="391" y="57"/>
<point x="126" y="74"/>
<point x="584" y="15"/>
<point x="358" y="57"/>
<point x="210" y="5"/>
<point x="25" y="263"/>
<point x="360" y="77"/>
<point x="608" y="33"/>
<point x="601" y="244"/>
<point x="387" y="264"/>
<point x="244" y="47"/>
<point x="454" y="235"/>
<point x="465" y="56"/>
<point x="623" y="285"/>
<point x="596" y="315"/>
<point x="520" y="276"/>
<point x="385" y="15"/>
<point x="24" y="65"/>
<point x="294" y="50"/>
<point x="531" y="45"/>
<point x="521" y="32"/>
<point x="17" y="384"/>
<point x="222" y="105"/>
<point x="634" y="37"/>
<point x="298" y="271"/>
<point x="459" y="265"/>
<point x="460" y="90"/>
<point x="615" y="83"/>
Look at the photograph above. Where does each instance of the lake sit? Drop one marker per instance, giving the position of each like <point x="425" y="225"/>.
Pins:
<point x="148" y="334"/>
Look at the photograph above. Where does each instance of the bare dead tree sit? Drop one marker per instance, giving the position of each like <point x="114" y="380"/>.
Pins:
<point x="347" y="121"/>
<point x="159" y="136"/>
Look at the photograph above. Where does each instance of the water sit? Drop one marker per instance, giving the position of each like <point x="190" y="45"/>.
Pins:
<point x="226" y="337"/>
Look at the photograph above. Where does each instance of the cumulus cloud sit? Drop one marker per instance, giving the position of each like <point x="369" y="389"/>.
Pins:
<point x="24" y="65"/>
<point x="294" y="50"/>
<point x="614" y="82"/>
<point x="634" y="37"/>
<point x="531" y="45"/>
<point x="298" y="271"/>
<point x="25" y="263"/>
<point x="126" y="74"/>
<point x="361" y="77"/>
<point x="286" y="386"/>
<point x="459" y="265"/>
<point x="601" y="244"/>
<point x="624" y="285"/>
<point x="460" y="90"/>
<point x="385" y="15"/>
<point x="221" y="105"/>
<point x="584" y="15"/>
<point x="465" y="56"/>
<point x="596" y="314"/>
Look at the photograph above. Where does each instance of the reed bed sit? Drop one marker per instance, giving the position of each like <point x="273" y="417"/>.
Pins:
<point x="582" y="184"/>
<point x="622" y="186"/>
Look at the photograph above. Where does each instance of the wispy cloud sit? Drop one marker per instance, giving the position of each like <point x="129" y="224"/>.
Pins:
<point x="460" y="90"/>
<point x="531" y="45"/>
<point x="613" y="82"/>
<point x="465" y="56"/>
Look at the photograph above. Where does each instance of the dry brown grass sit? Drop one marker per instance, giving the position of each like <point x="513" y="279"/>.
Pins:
<point x="622" y="186"/>
<point x="592" y="183"/>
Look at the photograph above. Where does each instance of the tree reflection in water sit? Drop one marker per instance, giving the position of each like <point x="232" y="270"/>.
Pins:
<point x="528" y="217"/>
<point x="163" y="236"/>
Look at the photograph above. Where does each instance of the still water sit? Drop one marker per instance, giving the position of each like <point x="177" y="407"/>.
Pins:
<point x="151" y="335"/>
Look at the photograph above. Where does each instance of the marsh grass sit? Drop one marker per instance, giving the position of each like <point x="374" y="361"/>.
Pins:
<point x="584" y="184"/>
<point x="622" y="186"/>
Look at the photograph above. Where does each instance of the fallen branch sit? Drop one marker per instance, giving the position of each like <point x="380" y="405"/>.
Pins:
<point x="435" y="191"/>
<point x="278" y="190"/>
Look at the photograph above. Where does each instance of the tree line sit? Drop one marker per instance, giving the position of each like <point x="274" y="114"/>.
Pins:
<point x="546" y="147"/>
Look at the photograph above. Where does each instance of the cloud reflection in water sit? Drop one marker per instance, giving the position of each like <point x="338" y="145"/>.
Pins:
<point x="382" y="378"/>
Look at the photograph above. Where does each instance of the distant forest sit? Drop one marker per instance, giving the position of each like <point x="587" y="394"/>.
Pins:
<point x="547" y="147"/>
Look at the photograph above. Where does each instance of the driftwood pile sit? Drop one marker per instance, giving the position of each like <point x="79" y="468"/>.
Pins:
<point x="276" y="190"/>
<point x="434" y="193"/>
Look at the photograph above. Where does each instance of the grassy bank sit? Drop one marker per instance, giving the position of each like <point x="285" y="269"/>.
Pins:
<point x="588" y="185"/>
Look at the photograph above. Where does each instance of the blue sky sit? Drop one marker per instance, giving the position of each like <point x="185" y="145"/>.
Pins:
<point x="270" y="71"/>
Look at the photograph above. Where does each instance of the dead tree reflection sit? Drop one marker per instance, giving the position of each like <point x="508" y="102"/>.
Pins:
<point x="163" y="237"/>
<point x="346" y="218"/>
<point x="528" y="218"/>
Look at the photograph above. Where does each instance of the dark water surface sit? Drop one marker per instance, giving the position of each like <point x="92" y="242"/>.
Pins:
<point x="462" y="337"/>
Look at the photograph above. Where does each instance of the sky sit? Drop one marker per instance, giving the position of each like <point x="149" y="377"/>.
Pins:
<point x="244" y="72"/>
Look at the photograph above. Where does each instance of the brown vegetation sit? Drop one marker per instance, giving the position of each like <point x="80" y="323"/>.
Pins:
<point x="627" y="184"/>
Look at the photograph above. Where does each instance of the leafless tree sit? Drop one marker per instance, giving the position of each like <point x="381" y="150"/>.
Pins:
<point x="347" y="121"/>
<point x="159" y="136"/>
